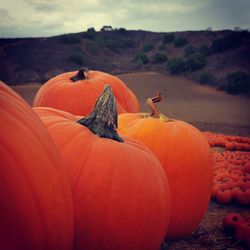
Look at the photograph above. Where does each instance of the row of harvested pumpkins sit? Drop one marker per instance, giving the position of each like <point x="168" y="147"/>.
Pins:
<point x="231" y="178"/>
<point x="71" y="179"/>
<point x="232" y="168"/>
<point x="228" y="142"/>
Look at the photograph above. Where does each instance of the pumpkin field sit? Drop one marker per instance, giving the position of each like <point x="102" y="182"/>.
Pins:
<point x="135" y="161"/>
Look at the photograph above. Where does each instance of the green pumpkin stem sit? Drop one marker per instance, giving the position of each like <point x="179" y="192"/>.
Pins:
<point x="81" y="75"/>
<point x="102" y="121"/>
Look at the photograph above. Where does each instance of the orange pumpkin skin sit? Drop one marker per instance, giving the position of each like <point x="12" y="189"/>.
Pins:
<point x="36" y="209"/>
<point x="121" y="195"/>
<point x="79" y="97"/>
<point x="187" y="160"/>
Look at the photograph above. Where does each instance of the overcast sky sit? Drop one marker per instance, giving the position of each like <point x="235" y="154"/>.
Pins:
<point x="34" y="18"/>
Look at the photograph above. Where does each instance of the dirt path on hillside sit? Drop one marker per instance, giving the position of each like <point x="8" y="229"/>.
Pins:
<point x="27" y="91"/>
<point x="202" y="106"/>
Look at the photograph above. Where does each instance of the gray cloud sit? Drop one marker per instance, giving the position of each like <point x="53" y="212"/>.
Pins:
<point x="6" y="24"/>
<point x="43" y="5"/>
<point x="42" y="17"/>
<point x="231" y="12"/>
<point x="5" y="17"/>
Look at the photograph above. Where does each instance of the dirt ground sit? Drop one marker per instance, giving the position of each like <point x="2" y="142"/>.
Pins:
<point x="207" y="109"/>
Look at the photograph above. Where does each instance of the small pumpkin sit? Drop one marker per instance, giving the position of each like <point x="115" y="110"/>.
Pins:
<point x="224" y="196"/>
<point x="242" y="233"/>
<point x="36" y="209"/>
<point x="230" y="221"/>
<point x="247" y="168"/>
<point x="242" y="197"/>
<point x="76" y="92"/>
<point x="121" y="195"/>
<point x="186" y="157"/>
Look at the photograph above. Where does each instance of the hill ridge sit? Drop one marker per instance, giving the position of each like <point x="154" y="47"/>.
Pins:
<point x="204" y="56"/>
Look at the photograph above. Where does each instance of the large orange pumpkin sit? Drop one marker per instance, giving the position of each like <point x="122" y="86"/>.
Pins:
<point x="120" y="192"/>
<point x="36" y="210"/>
<point x="76" y="92"/>
<point x="186" y="158"/>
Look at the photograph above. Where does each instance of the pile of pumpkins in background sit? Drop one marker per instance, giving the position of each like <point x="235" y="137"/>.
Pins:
<point x="63" y="187"/>
<point x="231" y="182"/>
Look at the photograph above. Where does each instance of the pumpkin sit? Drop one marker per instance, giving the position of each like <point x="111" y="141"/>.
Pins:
<point x="186" y="158"/>
<point x="36" y="209"/>
<point x="230" y="222"/>
<point x="242" y="233"/>
<point x="76" y="92"/>
<point x="120" y="192"/>
<point x="224" y="196"/>
<point x="242" y="196"/>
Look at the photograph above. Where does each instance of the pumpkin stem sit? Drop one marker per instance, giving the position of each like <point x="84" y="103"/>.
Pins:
<point x="102" y="121"/>
<point x="151" y="104"/>
<point x="81" y="75"/>
<point x="153" y="108"/>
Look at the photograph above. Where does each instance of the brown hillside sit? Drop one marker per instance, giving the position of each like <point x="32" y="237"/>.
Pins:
<point x="25" y="60"/>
